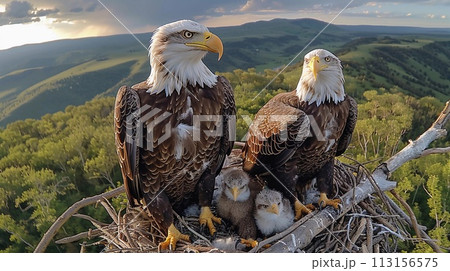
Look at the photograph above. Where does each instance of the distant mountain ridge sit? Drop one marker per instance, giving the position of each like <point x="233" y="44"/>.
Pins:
<point x="45" y="78"/>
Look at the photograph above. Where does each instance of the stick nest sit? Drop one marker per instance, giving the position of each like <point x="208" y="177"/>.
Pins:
<point x="373" y="225"/>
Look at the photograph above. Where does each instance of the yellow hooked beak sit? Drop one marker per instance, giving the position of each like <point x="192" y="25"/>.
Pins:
<point x="273" y="209"/>
<point x="235" y="192"/>
<point x="210" y="42"/>
<point x="316" y="66"/>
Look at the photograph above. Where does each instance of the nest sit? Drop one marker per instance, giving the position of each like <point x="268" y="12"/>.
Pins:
<point x="372" y="225"/>
<point x="368" y="221"/>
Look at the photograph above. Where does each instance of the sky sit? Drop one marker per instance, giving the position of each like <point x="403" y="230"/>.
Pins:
<point x="35" y="21"/>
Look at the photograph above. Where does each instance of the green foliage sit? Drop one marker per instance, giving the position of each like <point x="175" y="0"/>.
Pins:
<point x="46" y="165"/>
<point x="382" y="121"/>
<point x="425" y="185"/>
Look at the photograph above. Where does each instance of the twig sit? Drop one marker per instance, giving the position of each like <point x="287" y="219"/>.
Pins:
<point x="435" y="151"/>
<point x="424" y="235"/>
<point x="414" y="223"/>
<point x="352" y="241"/>
<point x="51" y="232"/>
<point x="239" y="144"/>
<point x="380" y="219"/>
<point x="112" y="213"/>
<point x="90" y="219"/>
<point x="369" y="236"/>
<point x="127" y="233"/>
<point x="87" y="234"/>
<point x="377" y="248"/>
<point x="192" y="230"/>
<point x="112" y="239"/>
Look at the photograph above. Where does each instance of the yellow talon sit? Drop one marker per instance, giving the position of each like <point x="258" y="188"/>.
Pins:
<point x="207" y="218"/>
<point x="249" y="242"/>
<point x="173" y="236"/>
<point x="300" y="209"/>
<point x="324" y="201"/>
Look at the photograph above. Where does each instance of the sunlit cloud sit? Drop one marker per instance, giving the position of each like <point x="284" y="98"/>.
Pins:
<point x="20" y="12"/>
<point x="30" y="33"/>
<point x="81" y="18"/>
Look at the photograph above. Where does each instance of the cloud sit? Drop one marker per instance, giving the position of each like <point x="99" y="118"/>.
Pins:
<point x="18" y="9"/>
<point x="142" y="14"/>
<point x="92" y="7"/>
<point x="44" y="12"/>
<point x="257" y="5"/>
<point x="76" y="10"/>
<point x="18" y="12"/>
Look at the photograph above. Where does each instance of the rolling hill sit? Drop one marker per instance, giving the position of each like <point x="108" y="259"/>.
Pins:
<point x="45" y="78"/>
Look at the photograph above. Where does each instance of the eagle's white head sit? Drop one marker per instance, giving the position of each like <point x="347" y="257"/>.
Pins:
<point x="322" y="79"/>
<point x="176" y="53"/>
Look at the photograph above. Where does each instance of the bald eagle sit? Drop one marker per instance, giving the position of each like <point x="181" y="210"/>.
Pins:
<point x="296" y="135"/>
<point x="172" y="131"/>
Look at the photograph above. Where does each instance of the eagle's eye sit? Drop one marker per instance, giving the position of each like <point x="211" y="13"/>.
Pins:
<point x="187" y="34"/>
<point x="327" y="59"/>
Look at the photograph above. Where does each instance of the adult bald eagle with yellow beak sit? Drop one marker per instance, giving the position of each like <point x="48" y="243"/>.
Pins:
<point x="172" y="131"/>
<point x="296" y="135"/>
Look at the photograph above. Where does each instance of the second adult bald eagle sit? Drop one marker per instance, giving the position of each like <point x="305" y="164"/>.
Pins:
<point x="172" y="131"/>
<point x="296" y="135"/>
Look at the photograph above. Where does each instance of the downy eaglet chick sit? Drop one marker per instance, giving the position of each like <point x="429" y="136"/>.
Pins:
<point x="236" y="202"/>
<point x="273" y="213"/>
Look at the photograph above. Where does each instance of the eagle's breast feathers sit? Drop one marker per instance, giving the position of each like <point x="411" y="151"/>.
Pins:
<point x="306" y="137"/>
<point x="174" y="141"/>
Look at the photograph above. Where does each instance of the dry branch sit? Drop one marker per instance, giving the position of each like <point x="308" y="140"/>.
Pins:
<point x="415" y="148"/>
<point x="88" y="234"/>
<point x="51" y="232"/>
<point x="410" y="212"/>
<point x="424" y="235"/>
<point x="435" y="151"/>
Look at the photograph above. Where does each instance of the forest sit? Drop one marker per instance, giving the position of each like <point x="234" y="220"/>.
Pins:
<point x="46" y="165"/>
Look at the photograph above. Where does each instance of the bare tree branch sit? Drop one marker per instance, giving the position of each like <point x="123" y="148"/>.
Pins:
<point x="435" y="151"/>
<point x="410" y="212"/>
<point x="51" y="232"/>
<point x="79" y="236"/>
<point x="423" y="234"/>
<point x="416" y="148"/>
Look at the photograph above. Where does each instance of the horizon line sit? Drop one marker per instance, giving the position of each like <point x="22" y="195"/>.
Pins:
<point x="444" y="29"/>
